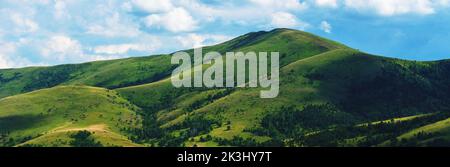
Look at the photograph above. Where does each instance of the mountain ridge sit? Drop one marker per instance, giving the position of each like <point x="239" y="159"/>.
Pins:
<point x="327" y="91"/>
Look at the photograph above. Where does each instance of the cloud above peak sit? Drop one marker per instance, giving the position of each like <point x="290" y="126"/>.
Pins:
<point x="287" y="20"/>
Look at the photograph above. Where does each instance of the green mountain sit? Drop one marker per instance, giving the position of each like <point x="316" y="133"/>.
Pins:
<point x="330" y="95"/>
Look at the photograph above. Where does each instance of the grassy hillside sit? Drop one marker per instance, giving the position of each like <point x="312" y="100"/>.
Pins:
<point x="42" y="114"/>
<point x="141" y="70"/>
<point x="330" y="95"/>
<point x="107" y="74"/>
<point x="340" y="88"/>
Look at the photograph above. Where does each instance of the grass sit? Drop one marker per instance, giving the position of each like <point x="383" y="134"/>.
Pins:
<point x="61" y="137"/>
<point x="108" y="74"/>
<point x="65" y="107"/>
<point x="442" y="127"/>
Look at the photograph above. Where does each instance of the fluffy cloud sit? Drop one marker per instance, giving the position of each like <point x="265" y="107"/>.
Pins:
<point x="325" y="26"/>
<point x="24" y="25"/>
<point x="5" y="59"/>
<point x="287" y="20"/>
<point x="394" y="7"/>
<point x="193" y="40"/>
<point x="8" y="56"/>
<point x="97" y="57"/>
<point x="327" y="3"/>
<point x="60" y="10"/>
<point x="113" y="27"/>
<point x="62" y="48"/>
<point x="176" y="20"/>
<point x="153" y="6"/>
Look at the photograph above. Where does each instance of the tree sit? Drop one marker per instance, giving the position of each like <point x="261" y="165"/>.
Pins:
<point x="84" y="139"/>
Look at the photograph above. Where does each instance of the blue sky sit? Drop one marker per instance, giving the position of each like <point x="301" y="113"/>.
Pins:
<point x="49" y="32"/>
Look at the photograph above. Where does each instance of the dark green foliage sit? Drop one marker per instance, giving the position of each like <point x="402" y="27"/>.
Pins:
<point x="288" y="119"/>
<point x="199" y="125"/>
<point x="46" y="78"/>
<point x="373" y="134"/>
<point x="84" y="139"/>
<point x="398" y="91"/>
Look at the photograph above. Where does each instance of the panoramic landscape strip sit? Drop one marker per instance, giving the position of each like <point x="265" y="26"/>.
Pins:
<point x="329" y="95"/>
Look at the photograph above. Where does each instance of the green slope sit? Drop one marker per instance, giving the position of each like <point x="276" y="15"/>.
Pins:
<point x="338" y="88"/>
<point x="108" y="74"/>
<point x="136" y="71"/>
<point x="46" y="112"/>
<point x="355" y="87"/>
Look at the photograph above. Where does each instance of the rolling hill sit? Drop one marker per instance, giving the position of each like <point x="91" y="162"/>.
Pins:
<point x="330" y="95"/>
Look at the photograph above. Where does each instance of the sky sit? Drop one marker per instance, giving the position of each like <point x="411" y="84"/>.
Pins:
<point x="50" y="32"/>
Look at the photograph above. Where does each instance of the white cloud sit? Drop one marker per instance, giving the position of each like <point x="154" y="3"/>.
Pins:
<point x="327" y="3"/>
<point x="281" y="4"/>
<point x="153" y="6"/>
<point x="444" y="3"/>
<point x="127" y="6"/>
<point x="326" y="27"/>
<point x="97" y="57"/>
<point x="6" y="50"/>
<point x="393" y="7"/>
<point x="24" y="25"/>
<point x="287" y="20"/>
<point x="123" y="48"/>
<point x="8" y="57"/>
<point x="113" y="27"/>
<point x="176" y="20"/>
<point x="193" y="40"/>
<point x="62" y="48"/>
<point x="60" y="10"/>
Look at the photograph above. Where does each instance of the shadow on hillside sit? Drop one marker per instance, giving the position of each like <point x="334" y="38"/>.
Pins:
<point x="13" y="123"/>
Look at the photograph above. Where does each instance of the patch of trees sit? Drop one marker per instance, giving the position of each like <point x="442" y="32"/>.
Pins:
<point x="192" y="126"/>
<point x="15" y="76"/>
<point x="247" y="142"/>
<point x="209" y="99"/>
<point x="145" y="70"/>
<point x="198" y="125"/>
<point x="432" y="140"/>
<point x="150" y="129"/>
<point x="370" y="134"/>
<point x="398" y="90"/>
<point x="324" y="125"/>
<point x="50" y="77"/>
<point x="290" y="120"/>
<point x="84" y="139"/>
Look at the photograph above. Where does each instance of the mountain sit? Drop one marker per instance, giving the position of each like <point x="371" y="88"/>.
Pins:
<point x="330" y="95"/>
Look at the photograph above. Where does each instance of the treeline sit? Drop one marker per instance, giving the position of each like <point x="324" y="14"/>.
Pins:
<point x="366" y="135"/>
<point x="399" y="88"/>
<point x="191" y="126"/>
<point x="288" y="121"/>
<point x="84" y="139"/>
